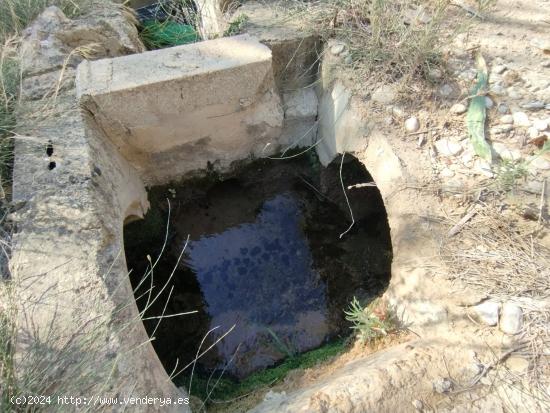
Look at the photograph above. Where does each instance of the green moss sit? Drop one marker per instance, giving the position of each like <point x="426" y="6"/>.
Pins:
<point x="227" y="388"/>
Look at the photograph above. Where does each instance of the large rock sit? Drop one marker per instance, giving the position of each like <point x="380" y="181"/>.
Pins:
<point x="54" y="41"/>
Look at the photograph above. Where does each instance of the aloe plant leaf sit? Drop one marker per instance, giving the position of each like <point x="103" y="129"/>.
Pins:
<point x="476" y="116"/>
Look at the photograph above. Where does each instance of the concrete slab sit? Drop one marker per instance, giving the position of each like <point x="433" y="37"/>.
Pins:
<point x="163" y="108"/>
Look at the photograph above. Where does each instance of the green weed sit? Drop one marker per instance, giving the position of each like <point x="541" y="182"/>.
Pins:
<point x="371" y="322"/>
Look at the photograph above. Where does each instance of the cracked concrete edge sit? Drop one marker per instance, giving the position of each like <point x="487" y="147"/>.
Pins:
<point x="68" y="264"/>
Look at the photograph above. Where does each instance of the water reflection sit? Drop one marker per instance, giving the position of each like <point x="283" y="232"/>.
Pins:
<point x="260" y="276"/>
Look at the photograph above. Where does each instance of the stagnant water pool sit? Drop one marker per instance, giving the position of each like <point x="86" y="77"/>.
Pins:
<point x="263" y="264"/>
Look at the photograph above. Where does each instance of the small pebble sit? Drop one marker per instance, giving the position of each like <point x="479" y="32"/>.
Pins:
<point x="539" y="162"/>
<point x="513" y="93"/>
<point x="412" y="124"/>
<point x="517" y="364"/>
<point x="446" y="147"/>
<point x="533" y="105"/>
<point x="503" y="108"/>
<point x="506" y="153"/>
<point x="499" y="129"/>
<point x="458" y="108"/>
<point x="521" y="119"/>
<point x="446" y="90"/>
<point x="337" y="49"/>
<point x="506" y="120"/>
<point x="435" y="74"/>
<point x="418" y="405"/>
<point x="498" y="69"/>
<point x="487" y="312"/>
<point x="489" y="102"/>
<point x="446" y="173"/>
<point x="497" y="89"/>
<point x="540" y="125"/>
<point x="511" y="319"/>
<point x="442" y="385"/>
<point x="533" y="132"/>
<point x="348" y="60"/>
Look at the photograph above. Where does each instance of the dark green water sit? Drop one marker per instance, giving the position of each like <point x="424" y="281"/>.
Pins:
<point x="264" y="261"/>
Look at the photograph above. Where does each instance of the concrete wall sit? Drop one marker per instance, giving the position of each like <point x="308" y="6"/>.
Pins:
<point x="170" y="111"/>
<point x="78" y="323"/>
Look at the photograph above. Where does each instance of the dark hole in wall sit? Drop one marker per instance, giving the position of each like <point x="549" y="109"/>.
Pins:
<point x="49" y="149"/>
<point x="265" y="255"/>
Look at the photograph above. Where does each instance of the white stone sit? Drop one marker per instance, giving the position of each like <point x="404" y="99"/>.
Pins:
<point x="498" y="129"/>
<point x="412" y="124"/>
<point x="517" y="364"/>
<point x="337" y="49"/>
<point x="418" y="405"/>
<point x="487" y="312"/>
<point x="506" y="120"/>
<point x="521" y="119"/>
<point x="435" y="73"/>
<point x="497" y="89"/>
<point x="535" y="105"/>
<point x="446" y="90"/>
<point x="506" y="153"/>
<point x="458" y="108"/>
<point x="511" y="318"/>
<point x="540" y="124"/>
<point x="498" y="69"/>
<point x="385" y="94"/>
<point x="503" y="108"/>
<point x="442" y="385"/>
<point x="446" y="173"/>
<point x="532" y="132"/>
<point x="446" y="147"/>
<point x="489" y="102"/>
<point x="539" y="162"/>
<point x="513" y="93"/>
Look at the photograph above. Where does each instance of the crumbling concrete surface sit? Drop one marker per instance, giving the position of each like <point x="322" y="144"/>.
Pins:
<point x="213" y="101"/>
<point x="78" y="323"/>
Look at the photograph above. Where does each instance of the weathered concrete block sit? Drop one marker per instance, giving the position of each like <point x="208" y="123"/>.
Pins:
<point x="54" y="41"/>
<point x="300" y="128"/>
<point x="340" y="129"/>
<point x="295" y="51"/>
<point x="170" y="111"/>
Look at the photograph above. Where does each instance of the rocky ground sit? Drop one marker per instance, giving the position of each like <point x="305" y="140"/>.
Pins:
<point x="496" y="252"/>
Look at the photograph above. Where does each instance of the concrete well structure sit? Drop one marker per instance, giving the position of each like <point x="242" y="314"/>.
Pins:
<point x="129" y="119"/>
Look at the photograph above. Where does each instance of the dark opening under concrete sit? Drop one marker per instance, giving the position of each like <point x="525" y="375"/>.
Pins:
<point x="264" y="261"/>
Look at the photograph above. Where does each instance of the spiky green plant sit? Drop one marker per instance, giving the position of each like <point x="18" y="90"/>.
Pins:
<point x="369" y="322"/>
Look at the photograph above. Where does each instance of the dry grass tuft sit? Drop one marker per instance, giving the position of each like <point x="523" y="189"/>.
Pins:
<point x="388" y="40"/>
<point x="502" y="257"/>
<point x="495" y="254"/>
